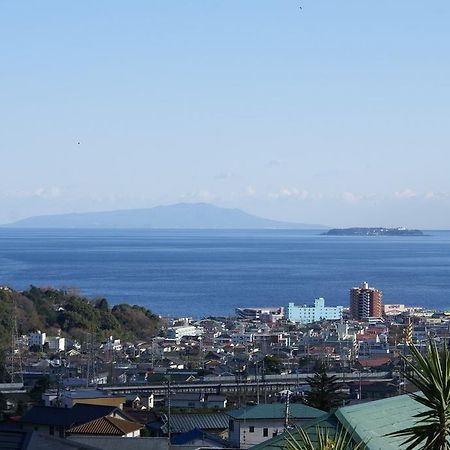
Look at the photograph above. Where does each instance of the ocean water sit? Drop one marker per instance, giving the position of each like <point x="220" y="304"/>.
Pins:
<point x="201" y="273"/>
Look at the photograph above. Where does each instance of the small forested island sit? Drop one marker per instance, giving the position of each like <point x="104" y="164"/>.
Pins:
<point x="377" y="231"/>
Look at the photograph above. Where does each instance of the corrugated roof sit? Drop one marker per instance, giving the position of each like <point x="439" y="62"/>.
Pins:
<point x="117" y="443"/>
<point x="180" y="423"/>
<point x="373" y="420"/>
<point x="369" y="422"/>
<point x="110" y="426"/>
<point x="275" y="411"/>
<point x="14" y="439"/>
<point x="186" y="438"/>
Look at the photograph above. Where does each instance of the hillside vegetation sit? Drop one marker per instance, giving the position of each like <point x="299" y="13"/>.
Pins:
<point x="50" y="310"/>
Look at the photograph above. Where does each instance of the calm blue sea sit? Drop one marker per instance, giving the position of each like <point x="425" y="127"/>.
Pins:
<point x="200" y="273"/>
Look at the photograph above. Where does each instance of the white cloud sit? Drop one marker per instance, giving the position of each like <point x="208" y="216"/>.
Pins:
<point x="406" y="193"/>
<point x="351" y="197"/>
<point x="43" y="192"/>
<point x="292" y="192"/>
<point x="430" y="195"/>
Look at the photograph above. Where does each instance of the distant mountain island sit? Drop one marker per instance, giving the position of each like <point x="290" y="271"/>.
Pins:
<point x="180" y="215"/>
<point x="378" y="231"/>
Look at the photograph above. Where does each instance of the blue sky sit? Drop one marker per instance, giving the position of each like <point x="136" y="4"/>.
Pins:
<point x="336" y="113"/>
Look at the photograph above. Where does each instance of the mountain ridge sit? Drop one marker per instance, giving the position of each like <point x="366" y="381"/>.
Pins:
<point x="176" y="216"/>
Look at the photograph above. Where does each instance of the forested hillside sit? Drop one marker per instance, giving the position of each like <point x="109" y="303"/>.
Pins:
<point x="50" y="310"/>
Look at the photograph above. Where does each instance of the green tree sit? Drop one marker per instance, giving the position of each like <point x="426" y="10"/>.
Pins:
<point x="2" y="402"/>
<point x="431" y="375"/>
<point x="102" y="304"/>
<point x="39" y="388"/>
<point x="272" y="365"/>
<point x="326" y="392"/>
<point x="4" y="375"/>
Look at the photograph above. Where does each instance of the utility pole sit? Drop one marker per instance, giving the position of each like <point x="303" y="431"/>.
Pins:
<point x="238" y="387"/>
<point x="153" y="353"/>
<point x="264" y="381"/>
<point x="286" y="411"/>
<point x="257" y="382"/>
<point x="15" y="361"/>
<point x="360" y="387"/>
<point x="169" y="425"/>
<point x="91" y="369"/>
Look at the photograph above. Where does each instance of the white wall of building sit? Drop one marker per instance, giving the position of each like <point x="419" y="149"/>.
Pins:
<point x="56" y="343"/>
<point x="181" y="331"/>
<point x="37" y="338"/>
<point x="310" y="314"/>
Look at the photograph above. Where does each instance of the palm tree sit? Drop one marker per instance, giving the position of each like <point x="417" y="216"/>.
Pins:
<point x="431" y="375"/>
<point x="341" y="441"/>
<point x="325" y="393"/>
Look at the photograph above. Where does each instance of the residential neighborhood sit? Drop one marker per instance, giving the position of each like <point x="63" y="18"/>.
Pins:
<point x="224" y="382"/>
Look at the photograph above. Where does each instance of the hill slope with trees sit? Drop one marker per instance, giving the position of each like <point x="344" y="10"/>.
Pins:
<point x="51" y="310"/>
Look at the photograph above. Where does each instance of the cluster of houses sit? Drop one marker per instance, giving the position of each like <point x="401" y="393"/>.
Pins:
<point x="91" y="419"/>
<point x="213" y="382"/>
<point x="225" y="346"/>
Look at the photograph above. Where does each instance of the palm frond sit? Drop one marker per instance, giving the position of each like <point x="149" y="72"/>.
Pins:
<point x="341" y="441"/>
<point x="431" y="375"/>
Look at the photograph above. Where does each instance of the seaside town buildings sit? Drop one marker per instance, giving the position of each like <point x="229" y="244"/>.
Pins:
<point x="265" y="314"/>
<point x="224" y="379"/>
<point x="365" y="302"/>
<point x="315" y="313"/>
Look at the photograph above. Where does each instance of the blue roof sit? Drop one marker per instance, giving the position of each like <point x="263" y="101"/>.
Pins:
<point x="180" y="423"/>
<point x="185" y="438"/>
<point x="15" y="439"/>
<point x="65" y="417"/>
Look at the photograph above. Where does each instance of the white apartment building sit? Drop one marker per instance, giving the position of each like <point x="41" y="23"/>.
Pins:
<point x="56" y="343"/>
<point x="36" y="338"/>
<point x="265" y="314"/>
<point x="310" y="314"/>
<point x="181" y="331"/>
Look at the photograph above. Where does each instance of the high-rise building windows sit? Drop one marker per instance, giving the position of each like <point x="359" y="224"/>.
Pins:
<point x="365" y="302"/>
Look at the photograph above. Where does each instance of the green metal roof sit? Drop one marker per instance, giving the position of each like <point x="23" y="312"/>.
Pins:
<point x="328" y="421"/>
<point x="373" y="420"/>
<point x="275" y="411"/>
<point x="368" y="422"/>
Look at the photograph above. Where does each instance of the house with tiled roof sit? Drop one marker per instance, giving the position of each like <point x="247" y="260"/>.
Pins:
<point x="56" y="421"/>
<point x="108" y="426"/>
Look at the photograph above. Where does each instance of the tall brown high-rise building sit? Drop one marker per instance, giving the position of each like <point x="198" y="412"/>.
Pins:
<point x="365" y="302"/>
